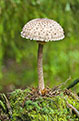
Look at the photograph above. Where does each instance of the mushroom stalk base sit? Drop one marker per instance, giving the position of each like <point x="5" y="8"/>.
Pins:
<point x="40" y="68"/>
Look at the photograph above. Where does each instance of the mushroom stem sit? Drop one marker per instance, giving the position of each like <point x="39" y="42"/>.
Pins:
<point x="40" y="67"/>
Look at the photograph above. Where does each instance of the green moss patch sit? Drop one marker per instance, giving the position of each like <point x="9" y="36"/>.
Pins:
<point x="27" y="105"/>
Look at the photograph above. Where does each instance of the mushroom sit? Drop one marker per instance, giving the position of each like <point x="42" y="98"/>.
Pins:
<point x="42" y="30"/>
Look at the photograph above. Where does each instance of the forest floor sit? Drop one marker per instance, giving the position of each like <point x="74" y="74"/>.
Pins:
<point x="28" y="105"/>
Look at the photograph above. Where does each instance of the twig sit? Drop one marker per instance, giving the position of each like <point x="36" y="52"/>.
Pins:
<point x="8" y="106"/>
<point x="73" y="84"/>
<point x="65" y="82"/>
<point x="73" y="108"/>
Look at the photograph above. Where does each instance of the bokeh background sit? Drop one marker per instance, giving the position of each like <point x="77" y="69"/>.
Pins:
<point x="18" y="56"/>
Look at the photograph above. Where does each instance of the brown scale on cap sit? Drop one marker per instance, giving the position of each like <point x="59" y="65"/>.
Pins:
<point x="42" y="30"/>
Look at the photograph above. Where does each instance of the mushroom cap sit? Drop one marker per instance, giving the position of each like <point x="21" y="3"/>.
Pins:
<point x="42" y="29"/>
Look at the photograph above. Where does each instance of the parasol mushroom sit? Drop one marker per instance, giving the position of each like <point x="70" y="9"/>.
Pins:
<point x="42" y="30"/>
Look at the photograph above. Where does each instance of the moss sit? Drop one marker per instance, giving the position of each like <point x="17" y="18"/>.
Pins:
<point x="43" y="108"/>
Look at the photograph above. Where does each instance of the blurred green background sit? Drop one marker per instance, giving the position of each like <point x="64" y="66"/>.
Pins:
<point x="18" y="56"/>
